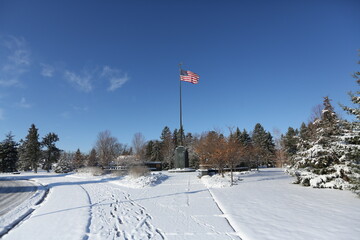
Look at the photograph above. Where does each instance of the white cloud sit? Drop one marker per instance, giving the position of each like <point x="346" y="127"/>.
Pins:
<point x="47" y="70"/>
<point x="14" y="62"/>
<point x="117" y="82"/>
<point x="83" y="82"/>
<point x="23" y="103"/>
<point x="115" y="77"/>
<point x="9" y="82"/>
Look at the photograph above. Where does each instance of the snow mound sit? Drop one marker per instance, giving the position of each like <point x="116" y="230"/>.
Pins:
<point x="149" y="180"/>
<point x="217" y="181"/>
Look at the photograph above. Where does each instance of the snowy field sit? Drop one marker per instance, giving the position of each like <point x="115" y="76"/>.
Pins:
<point x="263" y="205"/>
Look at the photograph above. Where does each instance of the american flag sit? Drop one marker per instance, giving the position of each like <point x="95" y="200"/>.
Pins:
<point x="188" y="76"/>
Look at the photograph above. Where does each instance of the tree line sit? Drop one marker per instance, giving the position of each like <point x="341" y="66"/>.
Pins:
<point x="253" y="149"/>
<point x="30" y="153"/>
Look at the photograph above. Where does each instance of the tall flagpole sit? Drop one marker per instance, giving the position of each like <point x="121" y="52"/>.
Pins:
<point x="181" y="125"/>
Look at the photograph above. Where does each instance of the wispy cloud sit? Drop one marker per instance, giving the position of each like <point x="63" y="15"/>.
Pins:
<point x="23" y="103"/>
<point x="65" y="115"/>
<point x="86" y="80"/>
<point x="115" y="77"/>
<point x="47" y="70"/>
<point x="14" y="62"/>
<point x="2" y="114"/>
<point x="81" y="82"/>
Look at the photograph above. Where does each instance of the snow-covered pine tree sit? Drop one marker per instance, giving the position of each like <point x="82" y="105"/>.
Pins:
<point x="65" y="163"/>
<point x="351" y="140"/>
<point x="323" y="162"/>
<point x="8" y="154"/>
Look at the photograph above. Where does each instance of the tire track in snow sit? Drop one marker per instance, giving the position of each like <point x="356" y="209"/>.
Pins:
<point x="116" y="216"/>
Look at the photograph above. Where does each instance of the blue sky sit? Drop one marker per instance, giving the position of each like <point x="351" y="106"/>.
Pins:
<point x="77" y="68"/>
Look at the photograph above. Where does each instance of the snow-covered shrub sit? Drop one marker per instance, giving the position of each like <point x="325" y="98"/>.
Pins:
<point x="65" y="163"/>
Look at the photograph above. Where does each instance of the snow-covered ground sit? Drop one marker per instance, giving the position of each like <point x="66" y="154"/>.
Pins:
<point x="266" y="205"/>
<point x="262" y="205"/>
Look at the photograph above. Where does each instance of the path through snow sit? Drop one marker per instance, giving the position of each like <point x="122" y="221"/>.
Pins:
<point x="181" y="207"/>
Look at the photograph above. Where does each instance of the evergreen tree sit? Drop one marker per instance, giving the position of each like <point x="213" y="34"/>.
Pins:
<point x="352" y="137"/>
<point x="156" y="152"/>
<point x="263" y="145"/>
<point x="167" y="147"/>
<point x="93" y="159"/>
<point x="321" y="154"/>
<point x="8" y="154"/>
<point x="190" y="141"/>
<point x="51" y="153"/>
<point x="149" y="149"/>
<point x="175" y="138"/>
<point x="246" y="143"/>
<point x="78" y="160"/>
<point x="30" y="152"/>
<point x="23" y="163"/>
<point x="65" y="163"/>
<point x="303" y="133"/>
<point x="290" y="142"/>
<point x="244" y="138"/>
<point x="324" y="163"/>
<point x="270" y="150"/>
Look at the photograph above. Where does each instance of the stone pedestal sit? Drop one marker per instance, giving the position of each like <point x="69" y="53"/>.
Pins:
<point x="181" y="159"/>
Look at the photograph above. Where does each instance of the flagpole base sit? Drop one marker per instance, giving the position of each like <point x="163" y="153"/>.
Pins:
<point x="181" y="159"/>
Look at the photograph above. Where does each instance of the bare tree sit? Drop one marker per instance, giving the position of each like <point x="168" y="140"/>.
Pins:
<point x="138" y="143"/>
<point x="210" y="149"/>
<point x="233" y="153"/>
<point x="107" y="147"/>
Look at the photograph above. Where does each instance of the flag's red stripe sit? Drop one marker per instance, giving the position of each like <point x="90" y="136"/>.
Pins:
<point x="191" y="77"/>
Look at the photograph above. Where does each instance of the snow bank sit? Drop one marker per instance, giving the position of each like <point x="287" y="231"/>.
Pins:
<point x="217" y="181"/>
<point x="140" y="182"/>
